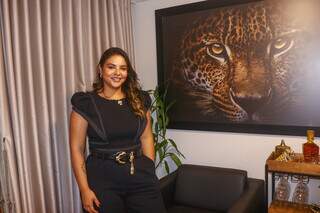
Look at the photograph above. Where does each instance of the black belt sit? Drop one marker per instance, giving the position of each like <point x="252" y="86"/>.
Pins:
<point x="120" y="156"/>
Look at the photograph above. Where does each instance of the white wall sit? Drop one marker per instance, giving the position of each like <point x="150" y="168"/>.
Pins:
<point x="242" y="151"/>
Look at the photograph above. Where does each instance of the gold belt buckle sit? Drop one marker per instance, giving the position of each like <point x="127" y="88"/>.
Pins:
<point x="119" y="156"/>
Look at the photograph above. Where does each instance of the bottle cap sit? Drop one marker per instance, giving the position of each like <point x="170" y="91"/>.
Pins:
<point x="310" y="134"/>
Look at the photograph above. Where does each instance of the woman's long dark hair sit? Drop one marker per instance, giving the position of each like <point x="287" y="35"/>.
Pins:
<point x="130" y="87"/>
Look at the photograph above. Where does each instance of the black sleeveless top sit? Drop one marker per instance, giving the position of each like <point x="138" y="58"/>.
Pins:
<point x="111" y="123"/>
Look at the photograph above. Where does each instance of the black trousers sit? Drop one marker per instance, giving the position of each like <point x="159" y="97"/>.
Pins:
<point x="120" y="192"/>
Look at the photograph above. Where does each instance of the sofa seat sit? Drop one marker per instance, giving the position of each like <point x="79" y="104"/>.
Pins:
<point x="205" y="189"/>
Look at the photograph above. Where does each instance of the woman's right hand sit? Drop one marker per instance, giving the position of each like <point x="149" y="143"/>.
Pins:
<point x="89" y="200"/>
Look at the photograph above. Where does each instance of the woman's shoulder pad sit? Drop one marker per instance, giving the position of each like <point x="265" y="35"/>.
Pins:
<point x="79" y="97"/>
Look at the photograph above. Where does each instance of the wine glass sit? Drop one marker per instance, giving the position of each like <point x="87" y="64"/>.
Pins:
<point x="282" y="191"/>
<point x="301" y="192"/>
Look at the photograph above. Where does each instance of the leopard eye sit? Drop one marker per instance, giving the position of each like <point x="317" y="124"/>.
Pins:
<point x="217" y="51"/>
<point x="281" y="45"/>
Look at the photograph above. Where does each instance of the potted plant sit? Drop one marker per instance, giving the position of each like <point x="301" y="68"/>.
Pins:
<point x="165" y="148"/>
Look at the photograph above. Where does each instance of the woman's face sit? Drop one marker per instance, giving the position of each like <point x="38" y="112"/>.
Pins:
<point x="114" y="72"/>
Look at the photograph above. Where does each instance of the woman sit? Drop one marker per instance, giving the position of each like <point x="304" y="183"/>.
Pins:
<point x="118" y="175"/>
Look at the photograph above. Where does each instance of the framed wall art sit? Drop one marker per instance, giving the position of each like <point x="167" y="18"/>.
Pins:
<point x="241" y="65"/>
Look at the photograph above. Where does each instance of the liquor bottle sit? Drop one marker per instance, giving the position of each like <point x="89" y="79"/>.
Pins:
<point x="310" y="149"/>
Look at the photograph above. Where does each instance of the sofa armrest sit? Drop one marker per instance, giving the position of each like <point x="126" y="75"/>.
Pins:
<point x="252" y="200"/>
<point x="167" y="187"/>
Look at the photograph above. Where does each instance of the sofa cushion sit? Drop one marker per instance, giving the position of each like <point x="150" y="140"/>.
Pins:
<point x="188" y="209"/>
<point x="209" y="187"/>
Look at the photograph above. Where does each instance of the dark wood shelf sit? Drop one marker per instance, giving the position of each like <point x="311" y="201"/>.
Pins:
<point x="296" y="166"/>
<point x="288" y="207"/>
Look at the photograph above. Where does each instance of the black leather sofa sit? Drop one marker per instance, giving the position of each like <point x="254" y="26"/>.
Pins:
<point x="204" y="189"/>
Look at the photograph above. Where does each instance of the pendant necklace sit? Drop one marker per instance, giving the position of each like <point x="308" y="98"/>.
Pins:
<point x="119" y="102"/>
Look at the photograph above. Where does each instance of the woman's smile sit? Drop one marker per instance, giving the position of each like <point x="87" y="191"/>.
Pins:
<point x="114" y="72"/>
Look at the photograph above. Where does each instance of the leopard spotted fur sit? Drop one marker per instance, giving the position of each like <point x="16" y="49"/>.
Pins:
<point x="243" y="62"/>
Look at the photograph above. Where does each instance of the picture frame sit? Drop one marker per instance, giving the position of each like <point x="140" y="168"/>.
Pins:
<point x="246" y="66"/>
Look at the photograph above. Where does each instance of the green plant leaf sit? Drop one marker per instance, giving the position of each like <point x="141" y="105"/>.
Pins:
<point x="163" y="143"/>
<point x="175" y="159"/>
<point x="161" y="154"/>
<point x="169" y="106"/>
<point x="160" y="122"/>
<point x="166" y="166"/>
<point x="156" y="127"/>
<point x="164" y="95"/>
<point x="175" y="147"/>
<point x="152" y="120"/>
<point x="167" y="121"/>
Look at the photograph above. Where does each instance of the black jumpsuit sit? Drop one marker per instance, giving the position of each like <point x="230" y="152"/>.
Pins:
<point x="113" y="126"/>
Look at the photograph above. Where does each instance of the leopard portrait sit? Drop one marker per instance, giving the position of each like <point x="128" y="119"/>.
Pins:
<point x="244" y="63"/>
